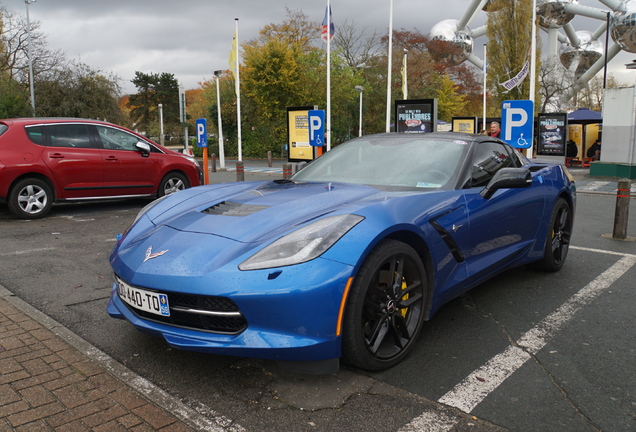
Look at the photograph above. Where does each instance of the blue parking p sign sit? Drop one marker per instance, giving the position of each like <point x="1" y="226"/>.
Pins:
<point x="316" y="127"/>
<point x="202" y="133"/>
<point x="517" y="123"/>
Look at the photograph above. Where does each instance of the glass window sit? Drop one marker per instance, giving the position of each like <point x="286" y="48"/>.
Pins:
<point x="36" y="134"/>
<point x="489" y="158"/>
<point x="3" y="128"/>
<point x="116" y="139"/>
<point x="70" y="135"/>
<point x="410" y="161"/>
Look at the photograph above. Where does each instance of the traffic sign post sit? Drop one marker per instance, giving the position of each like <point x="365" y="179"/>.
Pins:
<point x="517" y="123"/>
<point x="202" y="141"/>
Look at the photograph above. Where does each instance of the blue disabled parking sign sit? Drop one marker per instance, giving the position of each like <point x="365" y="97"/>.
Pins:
<point x="316" y="127"/>
<point x="517" y="123"/>
<point x="202" y="133"/>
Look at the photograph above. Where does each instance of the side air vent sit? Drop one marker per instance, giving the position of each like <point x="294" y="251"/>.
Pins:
<point x="229" y="208"/>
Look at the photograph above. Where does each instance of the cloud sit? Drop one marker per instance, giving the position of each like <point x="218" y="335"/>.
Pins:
<point x="191" y="38"/>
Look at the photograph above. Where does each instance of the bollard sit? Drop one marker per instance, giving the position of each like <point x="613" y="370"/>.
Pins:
<point x="213" y="162"/>
<point x="622" y="209"/>
<point x="287" y="171"/>
<point x="240" y="172"/>
<point x="269" y="159"/>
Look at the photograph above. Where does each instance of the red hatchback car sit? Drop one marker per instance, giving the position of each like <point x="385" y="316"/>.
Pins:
<point x="46" y="160"/>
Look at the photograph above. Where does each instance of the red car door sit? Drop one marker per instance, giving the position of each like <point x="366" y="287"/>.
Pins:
<point x="127" y="171"/>
<point x="74" y="160"/>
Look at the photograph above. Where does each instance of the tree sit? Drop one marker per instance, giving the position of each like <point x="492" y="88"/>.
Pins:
<point x="154" y="89"/>
<point x="297" y="30"/>
<point x="13" y="98"/>
<point x="554" y="81"/>
<point x="509" y="40"/>
<point x="356" y="48"/>
<point x="450" y="101"/>
<point x="455" y="86"/>
<point x="14" y="58"/>
<point x="591" y="96"/>
<point x="79" y="91"/>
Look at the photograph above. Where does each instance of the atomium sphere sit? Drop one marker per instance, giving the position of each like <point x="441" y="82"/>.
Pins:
<point x="552" y="13"/>
<point x="623" y="26"/>
<point x="448" y="44"/>
<point x="586" y="54"/>
<point x="590" y="50"/>
<point x="567" y="54"/>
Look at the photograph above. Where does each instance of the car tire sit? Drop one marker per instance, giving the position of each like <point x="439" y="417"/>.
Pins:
<point x="385" y="309"/>
<point x="558" y="238"/>
<point x="171" y="183"/>
<point x="30" y="198"/>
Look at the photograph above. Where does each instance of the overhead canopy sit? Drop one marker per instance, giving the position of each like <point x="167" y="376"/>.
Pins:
<point x="585" y="114"/>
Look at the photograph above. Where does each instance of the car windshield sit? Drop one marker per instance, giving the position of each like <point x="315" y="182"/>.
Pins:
<point x="405" y="161"/>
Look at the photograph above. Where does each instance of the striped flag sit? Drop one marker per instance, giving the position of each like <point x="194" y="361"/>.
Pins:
<point x="327" y="22"/>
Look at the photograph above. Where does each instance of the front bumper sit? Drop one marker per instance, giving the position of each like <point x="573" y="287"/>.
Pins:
<point x="291" y="313"/>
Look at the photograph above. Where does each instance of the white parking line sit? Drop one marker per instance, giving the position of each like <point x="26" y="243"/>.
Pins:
<point x="479" y="384"/>
<point x="593" y="186"/>
<point x="26" y="251"/>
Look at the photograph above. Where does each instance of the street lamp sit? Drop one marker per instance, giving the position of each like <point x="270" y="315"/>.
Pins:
<point x="162" y="138"/>
<point x="28" y="2"/>
<point x="360" y="89"/>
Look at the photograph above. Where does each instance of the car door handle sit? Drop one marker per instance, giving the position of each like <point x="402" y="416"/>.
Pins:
<point x="56" y="156"/>
<point x="112" y="159"/>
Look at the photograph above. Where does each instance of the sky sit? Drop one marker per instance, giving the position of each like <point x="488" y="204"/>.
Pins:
<point x="191" y="38"/>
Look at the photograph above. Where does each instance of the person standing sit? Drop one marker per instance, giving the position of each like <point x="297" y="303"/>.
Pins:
<point x="495" y="130"/>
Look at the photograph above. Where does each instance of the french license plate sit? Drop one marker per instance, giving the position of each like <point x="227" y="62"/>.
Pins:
<point x="146" y="301"/>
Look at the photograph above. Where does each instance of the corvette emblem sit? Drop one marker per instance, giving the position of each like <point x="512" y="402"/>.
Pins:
<point x="150" y="255"/>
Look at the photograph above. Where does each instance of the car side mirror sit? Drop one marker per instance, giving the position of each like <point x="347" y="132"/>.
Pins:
<point x="507" y="178"/>
<point x="143" y="147"/>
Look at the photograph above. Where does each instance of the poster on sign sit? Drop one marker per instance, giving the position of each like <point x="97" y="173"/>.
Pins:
<point x="298" y="143"/>
<point x="416" y="115"/>
<point x="553" y="129"/>
<point x="465" y="124"/>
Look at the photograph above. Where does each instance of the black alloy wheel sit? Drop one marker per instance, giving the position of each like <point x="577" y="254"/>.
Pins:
<point x="558" y="237"/>
<point x="385" y="310"/>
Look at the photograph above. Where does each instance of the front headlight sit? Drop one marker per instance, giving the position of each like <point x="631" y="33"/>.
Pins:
<point x="302" y="245"/>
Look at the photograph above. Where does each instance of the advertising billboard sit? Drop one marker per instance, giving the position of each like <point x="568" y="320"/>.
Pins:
<point x="298" y="134"/>
<point x="416" y="115"/>
<point x="552" y="134"/>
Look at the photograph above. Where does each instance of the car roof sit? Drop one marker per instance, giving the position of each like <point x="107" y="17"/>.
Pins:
<point x="469" y="138"/>
<point x="46" y="120"/>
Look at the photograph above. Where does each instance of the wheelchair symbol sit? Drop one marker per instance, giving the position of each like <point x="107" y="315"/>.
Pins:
<point x="522" y="141"/>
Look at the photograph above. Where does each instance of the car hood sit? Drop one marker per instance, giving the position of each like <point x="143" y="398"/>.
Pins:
<point x="258" y="211"/>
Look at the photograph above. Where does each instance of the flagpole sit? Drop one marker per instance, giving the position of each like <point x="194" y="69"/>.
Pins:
<point x="328" y="129"/>
<point x="533" y="66"/>
<point x="238" y="95"/>
<point x="388" y="78"/>
<point x="485" y="86"/>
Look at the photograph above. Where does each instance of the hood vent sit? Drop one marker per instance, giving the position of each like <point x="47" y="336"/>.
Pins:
<point x="229" y="208"/>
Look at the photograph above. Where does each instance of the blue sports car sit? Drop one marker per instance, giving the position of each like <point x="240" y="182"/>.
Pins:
<point x="349" y="257"/>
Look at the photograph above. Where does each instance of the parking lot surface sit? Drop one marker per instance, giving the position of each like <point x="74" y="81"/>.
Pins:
<point x="526" y="351"/>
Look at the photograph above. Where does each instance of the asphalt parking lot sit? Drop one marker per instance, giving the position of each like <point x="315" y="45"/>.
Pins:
<point x="526" y="351"/>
